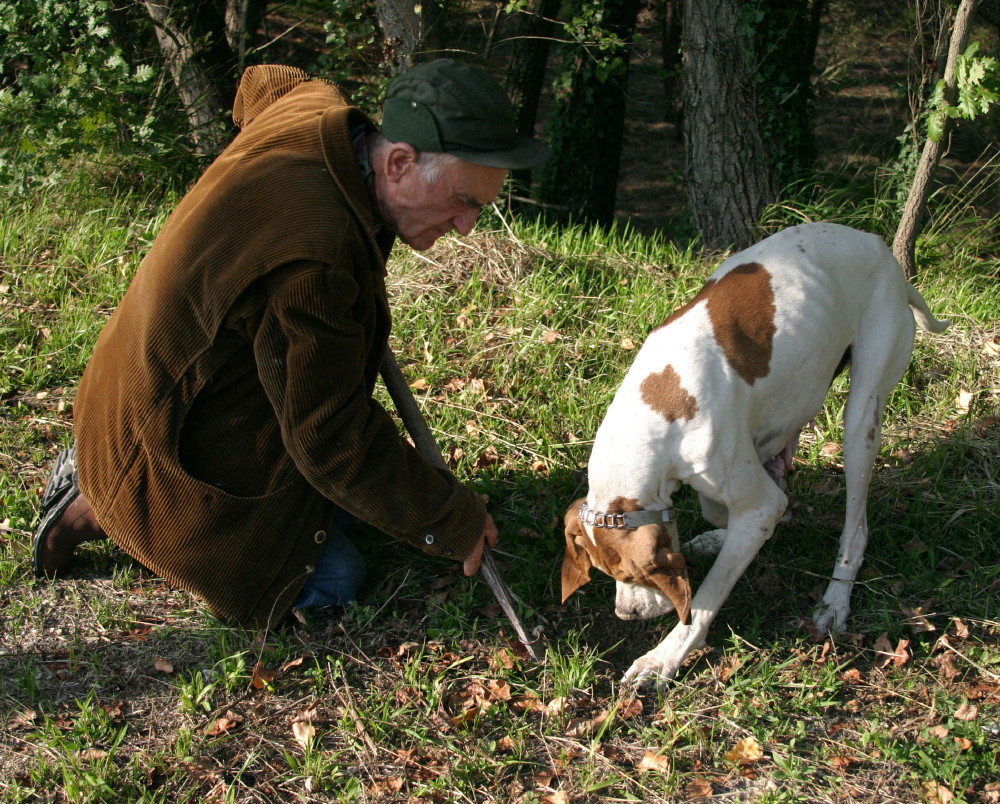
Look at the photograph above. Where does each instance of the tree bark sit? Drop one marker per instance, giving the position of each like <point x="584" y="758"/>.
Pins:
<point x="729" y="175"/>
<point x="671" y="32"/>
<point x="199" y="96"/>
<point x="410" y="29"/>
<point x="526" y="71"/>
<point x="914" y="210"/>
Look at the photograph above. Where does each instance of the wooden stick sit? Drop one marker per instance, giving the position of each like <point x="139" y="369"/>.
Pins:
<point x="424" y="441"/>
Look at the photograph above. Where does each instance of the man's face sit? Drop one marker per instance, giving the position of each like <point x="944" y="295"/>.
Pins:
<point x="420" y="212"/>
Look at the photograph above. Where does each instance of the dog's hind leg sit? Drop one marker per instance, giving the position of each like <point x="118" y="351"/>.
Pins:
<point x="879" y="357"/>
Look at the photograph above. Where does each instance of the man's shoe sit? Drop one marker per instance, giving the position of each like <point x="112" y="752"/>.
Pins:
<point x="60" y="491"/>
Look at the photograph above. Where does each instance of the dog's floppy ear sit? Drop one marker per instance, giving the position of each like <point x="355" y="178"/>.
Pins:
<point x="668" y="572"/>
<point x="576" y="561"/>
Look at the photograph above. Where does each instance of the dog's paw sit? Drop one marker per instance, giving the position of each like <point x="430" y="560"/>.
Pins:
<point x="830" y="619"/>
<point x="831" y="616"/>
<point x="708" y="543"/>
<point x="651" y="671"/>
<point x="647" y="676"/>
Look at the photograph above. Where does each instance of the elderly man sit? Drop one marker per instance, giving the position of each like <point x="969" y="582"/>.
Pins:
<point x="225" y="426"/>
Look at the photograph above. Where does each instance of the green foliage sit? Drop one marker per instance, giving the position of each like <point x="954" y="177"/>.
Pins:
<point x="587" y="121"/>
<point x="977" y="81"/>
<point x="782" y="34"/>
<point x="355" y="58"/>
<point x="66" y="91"/>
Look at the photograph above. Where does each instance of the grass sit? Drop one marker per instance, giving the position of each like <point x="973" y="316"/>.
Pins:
<point x="114" y="687"/>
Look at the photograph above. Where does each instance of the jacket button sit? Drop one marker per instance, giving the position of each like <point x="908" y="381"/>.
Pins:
<point x="319" y="536"/>
<point x="446" y="552"/>
<point x="429" y="538"/>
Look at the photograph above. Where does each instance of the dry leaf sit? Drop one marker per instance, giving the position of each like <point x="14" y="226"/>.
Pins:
<point x="841" y="762"/>
<point x="945" y="663"/>
<point x="304" y="732"/>
<point x="961" y="629"/>
<point x="420" y="385"/>
<point x="463" y="321"/>
<point x="964" y="401"/>
<point x="962" y="743"/>
<point x="653" y="762"/>
<point x="262" y="677"/>
<point x="745" y="752"/>
<point x="220" y="726"/>
<point x="387" y="786"/>
<point x="697" y="788"/>
<point x="917" y="620"/>
<point x="628" y="343"/>
<point x="551" y="336"/>
<point x="939" y="731"/>
<point x="558" y="797"/>
<point x="967" y="711"/>
<point x="991" y="346"/>
<point x="937" y="794"/>
<point x="897" y="656"/>
<point x="161" y="665"/>
<point x="93" y="754"/>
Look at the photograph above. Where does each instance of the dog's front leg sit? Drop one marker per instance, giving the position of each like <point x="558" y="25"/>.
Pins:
<point x="748" y="529"/>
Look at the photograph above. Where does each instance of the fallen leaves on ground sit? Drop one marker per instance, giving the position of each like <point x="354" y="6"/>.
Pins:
<point x="745" y="752"/>
<point x="653" y="762"/>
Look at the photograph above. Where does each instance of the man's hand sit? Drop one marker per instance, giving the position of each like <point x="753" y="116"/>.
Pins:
<point x="471" y="564"/>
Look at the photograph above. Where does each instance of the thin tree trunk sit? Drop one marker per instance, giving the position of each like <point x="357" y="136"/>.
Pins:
<point x="409" y="29"/>
<point x="914" y="210"/>
<point x="670" y="40"/>
<point x="526" y="72"/>
<point x="201" y="102"/>
<point x="243" y="18"/>
<point x="729" y="175"/>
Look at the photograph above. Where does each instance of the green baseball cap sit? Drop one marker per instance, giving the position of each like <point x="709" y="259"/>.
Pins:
<point x="457" y="108"/>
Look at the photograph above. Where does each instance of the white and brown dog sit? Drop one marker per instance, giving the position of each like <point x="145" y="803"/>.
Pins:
<point x="716" y="399"/>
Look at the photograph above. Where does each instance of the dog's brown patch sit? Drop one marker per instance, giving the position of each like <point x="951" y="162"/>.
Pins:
<point x="663" y="392"/>
<point x="741" y="308"/>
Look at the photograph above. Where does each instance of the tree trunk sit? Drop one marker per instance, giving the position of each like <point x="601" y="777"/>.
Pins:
<point x="410" y="30"/>
<point x="729" y="175"/>
<point x="526" y="71"/>
<point x="243" y="20"/>
<point x="587" y="128"/>
<point x="181" y="44"/>
<point x="671" y="33"/>
<point x="915" y="208"/>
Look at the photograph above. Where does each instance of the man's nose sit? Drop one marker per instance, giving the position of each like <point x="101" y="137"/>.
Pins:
<point x="464" y="221"/>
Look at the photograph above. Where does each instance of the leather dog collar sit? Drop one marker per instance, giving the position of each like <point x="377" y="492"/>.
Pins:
<point x="628" y="519"/>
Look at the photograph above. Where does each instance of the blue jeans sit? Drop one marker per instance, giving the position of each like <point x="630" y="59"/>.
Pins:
<point x="338" y="573"/>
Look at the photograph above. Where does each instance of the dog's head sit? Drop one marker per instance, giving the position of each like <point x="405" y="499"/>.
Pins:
<point x="646" y="561"/>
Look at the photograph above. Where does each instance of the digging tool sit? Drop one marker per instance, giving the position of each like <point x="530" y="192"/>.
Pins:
<point x="424" y="441"/>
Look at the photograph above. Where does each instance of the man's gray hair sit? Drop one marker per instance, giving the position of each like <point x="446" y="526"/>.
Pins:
<point x="429" y="163"/>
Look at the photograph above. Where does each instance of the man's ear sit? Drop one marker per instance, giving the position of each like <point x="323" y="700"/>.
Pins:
<point x="400" y="157"/>
<point x="576" y="561"/>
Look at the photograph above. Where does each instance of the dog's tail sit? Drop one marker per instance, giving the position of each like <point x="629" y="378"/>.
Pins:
<point x="922" y="313"/>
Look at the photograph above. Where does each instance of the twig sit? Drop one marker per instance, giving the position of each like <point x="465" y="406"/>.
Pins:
<point x="424" y="441"/>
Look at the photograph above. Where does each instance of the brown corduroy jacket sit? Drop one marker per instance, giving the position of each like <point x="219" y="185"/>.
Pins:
<point x="228" y="400"/>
